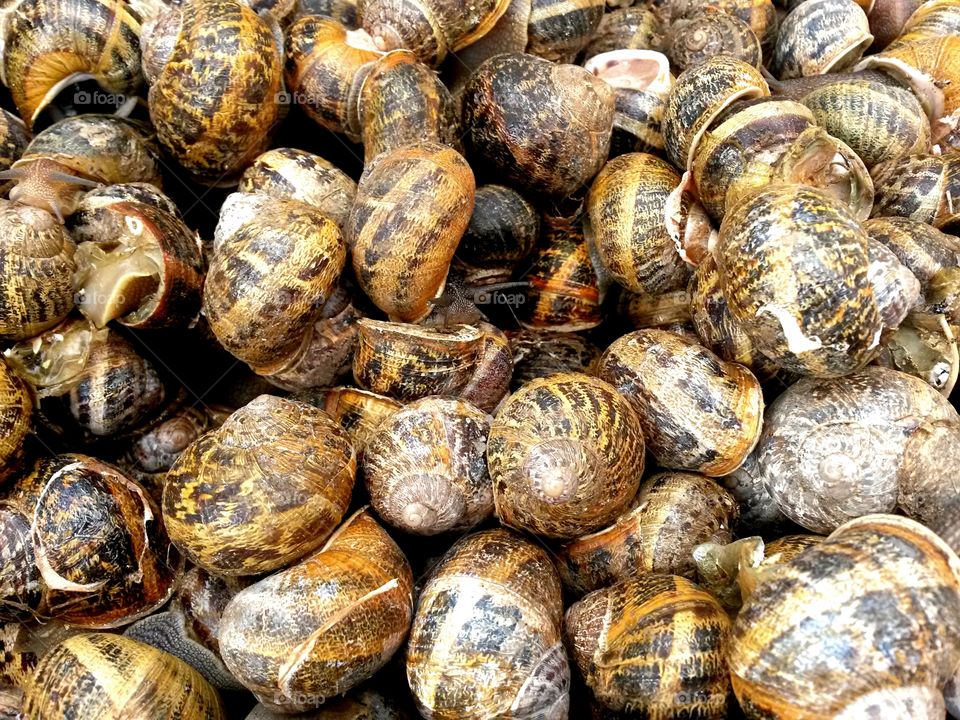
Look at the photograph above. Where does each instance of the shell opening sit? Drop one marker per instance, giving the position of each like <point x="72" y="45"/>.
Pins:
<point x="632" y="69"/>
<point x="688" y="223"/>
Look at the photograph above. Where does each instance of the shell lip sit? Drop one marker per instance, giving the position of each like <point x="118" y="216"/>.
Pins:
<point x="922" y="84"/>
<point x="647" y="70"/>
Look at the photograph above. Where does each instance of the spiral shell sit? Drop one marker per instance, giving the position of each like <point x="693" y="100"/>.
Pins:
<point x="541" y="354"/>
<point x="85" y="545"/>
<point x="666" y="625"/>
<point x="315" y="630"/>
<point x="895" y="287"/>
<point x="627" y="28"/>
<point x="262" y="491"/>
<point x="919" y="187"/>
<point x="559" y="29"/>
<point x="358" y="412"/>
<point x="839" y="614"/>
<point x="924" y="250"/>
<point x="422" y="194"/>
<point x="565" y="454"/>
<point x="695" y="39"/>
<point x="669" y="380"/>
<point x="820" y="36"/>
<point x="495" y="596"/>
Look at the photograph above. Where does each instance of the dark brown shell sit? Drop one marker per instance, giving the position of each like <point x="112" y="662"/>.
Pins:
<point x="426" y="467"/>
<point x="90" y="548"/>
<point x="919" y="187"/>
<point x="895" y="288"/>
<point x="695" y="39"/>
<point x="422" y="194"/>
<point x="215" y="117"/>
<point x="777" y="253"/>
<point x="559" y="29"/>
<point x="924" y="250"/>
<point x="269" y="280"/>
<point x="565" y="454"/>
<point x="14" y="139"/>
<point x="99" y="676"/>
<point x="544" y="127"/>
<point x="496" y="596"/>
<point x="16" y="409"/>
<point x="759" y="511"/>
<point x="839" y="614"/>
<point x="698" y="412"/>
<point x="672" y="514"/>
<point x="627" y="28"/>
<point x="315" y="630"/>
<point x="540" y="354"/>
<point x="261" y="491"/>
<point x="641" y="643"/>
<point x="343" y="11"/>
<point x="359" y="412"/>
<point x="820" y="36"/>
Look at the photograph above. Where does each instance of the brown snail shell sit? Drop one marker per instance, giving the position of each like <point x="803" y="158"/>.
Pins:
<point x="776" y="251"/>
<point x="565" y="454"/>
<point x="484" y="578"/>
<point x="291" y="174"/>
<point x="16" y="408"/>
<point x="673" y="513"/>
<point x="696" y="38"/>
<point x="821" y="474"/>
<point x="494" y="368"/>
<point x="403" y="102"/>
<point x="343" y="11"/>
<point x="826" y="596"/>
<point x="322" y="61"/>
<point x="78" y="153"/>
<point x="699" y="95"/>
<point x="924" y="250"/>
<point x="627" y="28"/>
<point x="359" y="412"/>
<point x="559" y="29"/>
<point x="669" y="380"/>
<point x="14" y="139"/>
<point x="615" y="631"/>
<point x="627" y="204"/>
<point x="511" y="109"/>
<point x="566" y="291"/>
<point x="760" y="15"/>
<point x="429" y="28"/>
<point x="119" y="677"/>
<point x="49" y="44"/>
<point x="716" y="327"/>
<point x="88" y="382"/>
<point x="887" y="19"/>
<point x="89" y="548"/>
<point x="502" y="232"/>
<point x="920" y="187"/>
<point x="426" y="467"/>
<point x="877" y="121"/>
<point x="943" y="294"/>
<point x="318" y="628"/>
<point x="759" y="511"/>
<point x="671" y="309"/>
<point x="37" y="265"/>
<point x="895" y="287"/>
<point x="268" y="281"/>
<point x="215" y="118"/>
<point x="933" y="18"/>
<point x="422" y="194"/>
<point x="136" y="264"/>
<point x="291" y="465"/>
<point x="538" y="354"/>
<point x="820" y="36"/>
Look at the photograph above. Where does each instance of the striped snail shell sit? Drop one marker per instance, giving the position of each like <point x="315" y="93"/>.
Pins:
<point x="14" y="139"/>
<point x="497" y="596"/>
<point x="359" y="412"/>
<point x="539" y="354"/>
<point x="16" y="410"/>
<point x="820" y="36"/>
<point x="100" y="676"/>
<point x="920" y="187"/>
<point x="319" y="628"/>
<point x="565" y="454"/>
<point x="700" y="36"/>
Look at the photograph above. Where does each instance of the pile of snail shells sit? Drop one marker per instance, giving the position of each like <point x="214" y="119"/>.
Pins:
<point x="505" y="359"/>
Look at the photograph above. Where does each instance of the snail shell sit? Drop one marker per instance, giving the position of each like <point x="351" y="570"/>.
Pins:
<point x="343" y="11"/>
<point x="876" y="120"/>
<point x="413" y="206"/>
<point x="88" y="546"/>
<point x="94" y="204"/>
<point x="88" y="382"/>
<point x="698" y="412"/>
<point x="261" y="491"/>
<point x="559" y="29"/>
<point x="695" y="39"/>
<point x="322" y="61"/>
<point x="14" y="139"/>
<point x="426" y="467"/>
<point x="933" y="18"/>
<point x="759" y="511"/>
<point x="141" y="266"/>
<point x="291" y="174"/>
<point x="268" y="281"/>
<point x="512" y="108"/>
<point x="924" y="250"/>
<point x="78" y="153"/>
<point x="919" y="187"/>
<point x="429" y="28"/>
<point x="403" y="102"/>
<point x="615" y="635"/>
<point x="214" y="118"/>
<point x="627" y="28"/>
<point x="36" y="267"/>
<point x="627" y="205"/>
<point x="565" y="454"/>
<point x="673" y="513"/>
<point x="822" y="474"/>
<point x="496" y="596"/>
<point x="777" y="251"/>
<point x="502" y="232"/>
<point x="49" y="44"/>
<point x="315" y="630"/>
<point x="359" y="412"/>
<point x="16" y="409"/>
<point x="820" y="36"/>
<point x="541" y="354"/>
<point x="100" y="676"/>
<point x="943" y="294"/>
<point x="895" y="288"/>
<point x="835" y="649"/>
<point x="699" y="95"/>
